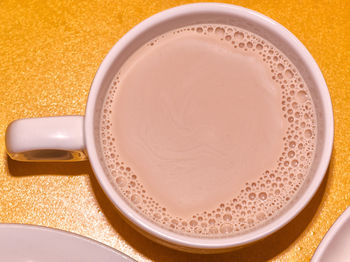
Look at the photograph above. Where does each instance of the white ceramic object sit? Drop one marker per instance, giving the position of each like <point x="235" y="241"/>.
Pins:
<point x="335" y="246"/>
<point x="178" y="17"/>
<point x="46" y="139"/>
<point x="19" y="243"/>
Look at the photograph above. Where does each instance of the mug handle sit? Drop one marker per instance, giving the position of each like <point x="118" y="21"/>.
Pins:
<point x="58" y="138"/>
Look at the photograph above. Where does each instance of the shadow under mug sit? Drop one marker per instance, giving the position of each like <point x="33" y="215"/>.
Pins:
<point x="74" y="138"/>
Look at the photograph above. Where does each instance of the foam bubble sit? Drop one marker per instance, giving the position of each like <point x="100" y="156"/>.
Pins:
<point x="227" y="217"/>
<point x="263" y="196"/>
<point x="280" y="67"/>
<point x="289" y="74"/>
<point x="135" y="199"/>
<point x="193" y="223"/>
<point x="261" y="216"/>
<point x="121" y="181"/>
<point x="308" y="133"/>
<point x="238" y="35"/>
<point x="291" y="154"/>
<point x="211" y="221"/>
<point x="301" y="96"/>
<point x="219" y="31"/>
<point x="199" y="30"/>
<point x="213" y="231"/>
<point x="226" y="228"/>
<point x="228" y="38"/>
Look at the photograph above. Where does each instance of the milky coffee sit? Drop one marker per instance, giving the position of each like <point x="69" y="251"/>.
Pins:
<point x="208" y="130"/>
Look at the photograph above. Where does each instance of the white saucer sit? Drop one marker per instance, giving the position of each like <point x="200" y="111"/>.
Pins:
<point x="19" y="243"/>
<point x="335" y="245"/>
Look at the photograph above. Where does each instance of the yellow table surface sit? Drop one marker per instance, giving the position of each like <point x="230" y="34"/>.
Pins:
<point x="49" y="53"/>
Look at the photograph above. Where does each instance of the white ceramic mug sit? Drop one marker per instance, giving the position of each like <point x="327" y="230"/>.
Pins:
<point x="76" y="137"/>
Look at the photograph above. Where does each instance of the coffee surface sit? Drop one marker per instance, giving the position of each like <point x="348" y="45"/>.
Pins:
<point x="208" y="130"/>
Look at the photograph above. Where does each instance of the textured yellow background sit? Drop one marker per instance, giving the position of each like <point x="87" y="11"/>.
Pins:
<point x="49" y="52"/>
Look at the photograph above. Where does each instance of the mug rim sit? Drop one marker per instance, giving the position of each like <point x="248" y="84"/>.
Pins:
<point x="185" y="240"/>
